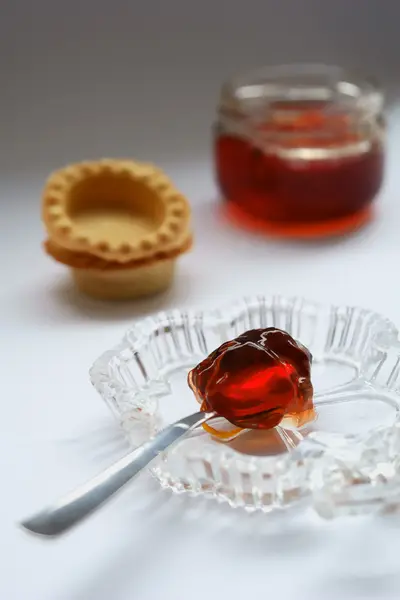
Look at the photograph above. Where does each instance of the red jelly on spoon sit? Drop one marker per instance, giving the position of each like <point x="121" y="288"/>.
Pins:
<point x="255" y="381"/>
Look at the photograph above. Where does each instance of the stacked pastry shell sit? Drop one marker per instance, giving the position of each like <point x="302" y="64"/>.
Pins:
<point x="118" y="224"/>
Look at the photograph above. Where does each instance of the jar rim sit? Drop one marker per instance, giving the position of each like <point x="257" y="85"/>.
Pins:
<point x="253" y="90"/>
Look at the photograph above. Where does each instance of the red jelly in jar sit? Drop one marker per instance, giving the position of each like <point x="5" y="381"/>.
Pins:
<point x="256" y="380"/>
<point x="299" y="150"/>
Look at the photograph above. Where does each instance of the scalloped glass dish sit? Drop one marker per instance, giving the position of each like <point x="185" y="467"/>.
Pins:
<point x="346" y="462"/>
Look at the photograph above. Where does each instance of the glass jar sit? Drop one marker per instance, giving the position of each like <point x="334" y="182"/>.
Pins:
<point x="299" y="149"/>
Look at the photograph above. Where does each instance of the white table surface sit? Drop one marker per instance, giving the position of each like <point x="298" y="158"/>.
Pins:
<point x="55" y="431"/>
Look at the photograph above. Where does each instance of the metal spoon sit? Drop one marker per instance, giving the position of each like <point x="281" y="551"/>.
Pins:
<point x="84" y="500"/>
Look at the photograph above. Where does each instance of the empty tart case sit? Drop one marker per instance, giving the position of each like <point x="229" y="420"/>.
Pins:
<point x="118" y="224"/>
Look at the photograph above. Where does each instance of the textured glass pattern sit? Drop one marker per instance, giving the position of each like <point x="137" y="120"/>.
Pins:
<point x="346" y="462"/>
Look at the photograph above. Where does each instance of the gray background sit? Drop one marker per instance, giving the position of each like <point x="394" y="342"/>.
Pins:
<point x="92" y="78"/>
<point x="88" y="78"/>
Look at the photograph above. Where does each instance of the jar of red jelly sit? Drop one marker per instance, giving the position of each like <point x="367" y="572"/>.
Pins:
<point x="299" y="149"/>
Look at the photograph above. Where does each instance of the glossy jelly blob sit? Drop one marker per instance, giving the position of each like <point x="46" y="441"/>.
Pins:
<point x="256" y="380"/>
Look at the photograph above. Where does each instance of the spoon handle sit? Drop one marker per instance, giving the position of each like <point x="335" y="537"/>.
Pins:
<point x="84" y="500"/>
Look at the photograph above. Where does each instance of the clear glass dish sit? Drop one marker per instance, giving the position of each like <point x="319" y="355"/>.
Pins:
<point x="346" y="462"/>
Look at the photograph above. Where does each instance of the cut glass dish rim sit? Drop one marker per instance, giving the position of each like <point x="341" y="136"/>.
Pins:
<point x="141" y="400"/>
